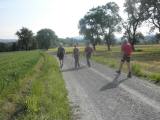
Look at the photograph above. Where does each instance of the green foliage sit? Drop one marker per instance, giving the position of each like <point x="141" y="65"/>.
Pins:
<point x="26" y="40"/>
<point x="157" y="38"/>
<point x="152" y="12"/>
<point x="139" y="37"/>
<point x="135" y="18"/>
<point x="35" y="89"/>
<point x="155" y="77"/>
<point x="48" y="96"/>
<point x="14" y="66"/>
<point x="46" y="38"/>
<point x="99" y="22"/>
<point x="136" y="69"/>
<point x="145" y="61"/>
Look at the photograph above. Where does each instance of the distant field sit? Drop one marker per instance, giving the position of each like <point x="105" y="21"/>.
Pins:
<point x="145" y="61"/>
<point x="31" y="87"/>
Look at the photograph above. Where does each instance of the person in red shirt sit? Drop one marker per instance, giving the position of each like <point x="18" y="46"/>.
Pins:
<point x="126" y="49"/>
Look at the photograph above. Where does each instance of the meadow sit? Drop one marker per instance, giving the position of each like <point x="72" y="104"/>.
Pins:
<point x="145" y="60"/>
<point x="32" y="87"/>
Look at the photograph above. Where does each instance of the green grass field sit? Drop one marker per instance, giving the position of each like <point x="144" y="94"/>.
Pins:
<point x="145" y="60"/>
<point x="32" y="88"/>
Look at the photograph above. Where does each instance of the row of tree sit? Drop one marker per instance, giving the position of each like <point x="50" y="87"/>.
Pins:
<point x="44" y="39"/>
<point x="100" y="23"/>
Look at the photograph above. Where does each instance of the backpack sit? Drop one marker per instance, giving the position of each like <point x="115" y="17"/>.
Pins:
<point x="60" y="52"/>
<point x="76" y="52"/>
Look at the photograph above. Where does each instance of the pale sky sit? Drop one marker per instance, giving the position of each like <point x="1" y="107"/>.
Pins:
<point x="62" y="16"/>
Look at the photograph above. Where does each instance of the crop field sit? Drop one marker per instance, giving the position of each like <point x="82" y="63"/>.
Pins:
<point x="145" y="60"/>
<point x="31" y="87"/>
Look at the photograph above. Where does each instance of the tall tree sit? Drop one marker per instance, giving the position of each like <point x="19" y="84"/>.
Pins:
<point x="100" y="22"/>
<point x="135" y="12"/>
<point x="25" y="38"/>
<point x="110" y="22"/>
<point x="152" y="12"/>
<point x="139" y="37"/>
<point x="157" y="38"/>
<point x="46" y="38"/>
<point x="89" y="26"/>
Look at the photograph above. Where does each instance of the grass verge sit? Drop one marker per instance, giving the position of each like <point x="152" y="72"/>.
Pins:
<point x="41" y="94"/>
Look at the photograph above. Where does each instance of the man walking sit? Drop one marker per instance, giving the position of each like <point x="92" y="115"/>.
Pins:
<point x="60" y="55"/>
<point x="88" y="52"/>
<point x="76" y="56"/>
<point x="126" y="49"/>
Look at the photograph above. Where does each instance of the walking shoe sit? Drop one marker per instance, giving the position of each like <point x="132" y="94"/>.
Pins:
<point x="118" y="71"/>
<point x="129" y="75"/>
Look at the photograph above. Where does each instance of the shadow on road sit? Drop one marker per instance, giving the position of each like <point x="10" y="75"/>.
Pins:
<point x="113" y="84"/>
<point x="73" y="69"/>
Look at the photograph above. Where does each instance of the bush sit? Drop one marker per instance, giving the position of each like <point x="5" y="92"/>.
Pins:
<point x="136" y="69"/>
<point x="155" y="77"/>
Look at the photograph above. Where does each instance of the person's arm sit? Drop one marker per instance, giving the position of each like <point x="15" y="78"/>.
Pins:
<point x="85" y="51"/>
<point x="57" y="52"/>
<point x="73" y="53"/>
<point x="122" y="49"/>
<point x="64" y="52"/>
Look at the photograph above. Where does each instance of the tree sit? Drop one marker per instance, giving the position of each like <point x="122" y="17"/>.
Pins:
<point x="100" y="22"/>
<point x="135" y="12"/>
<point x="46" y="38"/>
<point x="157" y="38"/>
<point x="2" y="47"/>
<point x="25" y="38"/>
<point x="110" y="22"/>
<point x="152" y="12"/>
<point x="139" y="37"/>
<point x="89" y="26"/>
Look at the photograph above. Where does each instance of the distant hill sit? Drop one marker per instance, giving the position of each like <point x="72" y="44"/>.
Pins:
<point x="7" y="40"/>
<point x="78" y="38"/>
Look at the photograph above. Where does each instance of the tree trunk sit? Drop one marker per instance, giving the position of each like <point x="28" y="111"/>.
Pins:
<point x="108" y="45"/>
<point x="133" y="43"/>
<point x="109" y="48"/>
<point x="94" y="47"/>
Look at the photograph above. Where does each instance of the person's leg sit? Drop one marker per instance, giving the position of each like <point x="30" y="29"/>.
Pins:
<point x="121" y="64"/>
<point x="87" y="58"/>
<point x="78" y="62"/>
<point x="88" y="62"/>
<point x="75" y="62"/>
<point x="60" y="63"/>
<point x="120" y="67"/>
<point x="129" y="67"/>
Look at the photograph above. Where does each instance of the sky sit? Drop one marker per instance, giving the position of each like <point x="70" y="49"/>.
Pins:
<point x="62" y="16"/>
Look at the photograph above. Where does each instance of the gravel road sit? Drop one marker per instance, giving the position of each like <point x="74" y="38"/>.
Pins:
<point x="98" y="93"/>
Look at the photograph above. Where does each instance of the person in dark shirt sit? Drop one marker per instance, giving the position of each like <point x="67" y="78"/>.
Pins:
<point x="76" y="56"/>
<point x="88" y="52"/>
<point x="60" y="55"/>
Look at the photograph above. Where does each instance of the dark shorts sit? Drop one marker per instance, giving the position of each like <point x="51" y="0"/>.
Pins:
<point x="126" y="58"/>
<point x="88" y="56"/>
<point x="61" y="57"/>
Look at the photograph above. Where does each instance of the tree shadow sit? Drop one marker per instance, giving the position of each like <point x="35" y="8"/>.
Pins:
<point x="115" y="83"/>
<point x="73" y="69"/>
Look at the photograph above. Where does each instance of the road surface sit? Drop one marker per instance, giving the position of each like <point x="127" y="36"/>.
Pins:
<point x="98" y="93"/>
